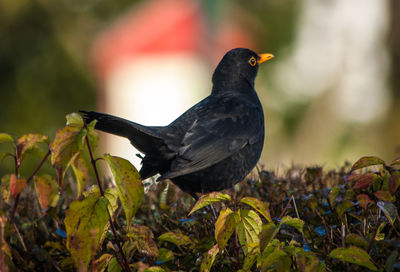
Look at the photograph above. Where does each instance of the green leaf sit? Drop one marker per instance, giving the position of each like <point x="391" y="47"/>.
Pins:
<point x="307" y="261"/>
<point x="92" y="135"/>
<point x="364" y="181"/>
<point x="101" y="263"/>
<point x="259" y="206"/>
<point x="165" y="255"/>
<point x="46" y="191"/>
<point x="225" y="225"/>
<point x="356" y="240"/>
<point x="208" y="199"/>
<point x="28" y="143"/>
<point x="86" y="222"/>
<point x="142" y="238"/>
<point x="343" y="207"/>
<point x="249" y="229"/>
<point x="113" y="266"/>
<point x="384" y="195"/>
<point x="389" y="209"/>
<point x="250" y="258"/>
<point x="4" y="137"/>
<point x="17" y="185"/>
<point x="393" y="182"/>
<point x="81" y="172"/>
<point x="178" y="239"/>
<point x="333" y="194"/>
<point x="367" y="161"/>
<point x="112" y="196"/>
<point x="66" y="146"/>
<point x="353" y="255"/>
<point x="390" y="261"/>
<point x="272" y="258"/>
<point x="129" y="185"/>
<point x="74" y="120"/>
<point x="268" y="233"/>
<point x="3" y="155"/>
<point x="296" y="223"/>
<point x="5" y="188"/>
<point x="209" y="258"/>
<point x="154" y="269"/>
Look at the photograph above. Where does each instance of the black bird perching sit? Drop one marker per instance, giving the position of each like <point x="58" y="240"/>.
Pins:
<point x="214" y="144"/>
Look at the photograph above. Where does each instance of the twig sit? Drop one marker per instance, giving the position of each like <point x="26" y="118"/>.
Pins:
<point x="125" y="264"/>
<point x="20" y="237"/>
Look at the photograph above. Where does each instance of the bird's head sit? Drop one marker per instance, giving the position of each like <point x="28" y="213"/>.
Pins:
<point x="239" y="66"/>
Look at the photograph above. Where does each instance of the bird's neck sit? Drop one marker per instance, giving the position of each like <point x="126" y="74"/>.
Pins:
<point x="238" y="85"/>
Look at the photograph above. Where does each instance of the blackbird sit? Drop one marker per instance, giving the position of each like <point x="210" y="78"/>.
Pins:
<point x="215" y="143"/>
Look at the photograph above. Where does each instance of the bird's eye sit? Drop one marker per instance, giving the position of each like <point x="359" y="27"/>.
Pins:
<point x="253" y="61"/>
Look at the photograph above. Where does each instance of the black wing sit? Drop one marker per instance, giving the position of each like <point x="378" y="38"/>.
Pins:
<point x="217" y="132"/>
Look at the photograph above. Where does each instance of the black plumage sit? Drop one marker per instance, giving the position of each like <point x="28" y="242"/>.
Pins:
<point x="214" y="144"/>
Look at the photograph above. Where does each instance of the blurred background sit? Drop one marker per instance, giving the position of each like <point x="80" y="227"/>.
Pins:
<point x="331" y="94"/>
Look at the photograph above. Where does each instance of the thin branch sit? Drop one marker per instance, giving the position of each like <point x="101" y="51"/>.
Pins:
<point x="125" y="264"/>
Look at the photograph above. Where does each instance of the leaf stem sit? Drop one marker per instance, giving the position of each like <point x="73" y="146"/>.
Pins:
<point x="125" y="264"/>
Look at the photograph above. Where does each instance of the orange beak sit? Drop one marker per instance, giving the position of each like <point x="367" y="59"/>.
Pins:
<point x="264" y="57"/>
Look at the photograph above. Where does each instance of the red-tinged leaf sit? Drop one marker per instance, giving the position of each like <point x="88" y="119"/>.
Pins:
<point x="16" y="185"/>
<point x="209" y="258"/>
<point x="364" y="200"/>
<point x="353" y="177"/>
<point x="249" y="229"/>
<point x="259" y="206"/>
<point x="225" y="225"/>
<point x="395" y="162"/>
<point x="4" y="137"/>
<point x="142" y="239"/>
<point x="29" y="142"/>
<point x="86" y="222"/>
<point x="129" y="185"/>
<point x="81" y="172"/>
<point x="5" y="188"/>
<point x="364" y="181"/>
<point x="101" y="263"/>
<point x="66" y="146"/>
<point x="208" y="199"/>
<point x="47" y="191"/>
<point x="394" y="182"/>
<point x="353" y="255"/>
<point x="178" y="239"/>
<point x="385" y="196"/>
<point x="367" y="161"/>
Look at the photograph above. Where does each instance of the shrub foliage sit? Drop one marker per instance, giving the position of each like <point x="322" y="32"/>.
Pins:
<point x="77" y="218"/>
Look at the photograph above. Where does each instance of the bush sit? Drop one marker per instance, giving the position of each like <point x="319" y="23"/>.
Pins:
<point x="77" y="219"/>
